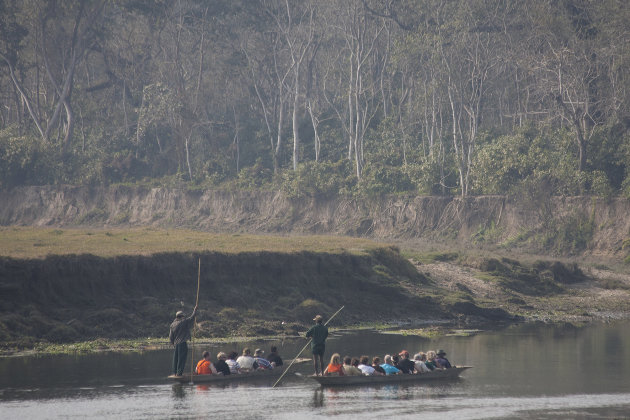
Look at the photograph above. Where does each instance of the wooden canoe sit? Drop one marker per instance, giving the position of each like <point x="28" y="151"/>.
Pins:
<point x="249" y="376"/>
<point x="241" y="377"/>
<point x="374" y="380"/>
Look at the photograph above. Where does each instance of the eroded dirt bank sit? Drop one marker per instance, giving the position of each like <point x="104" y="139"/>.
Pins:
<point x="487" y="220"/>
<point x="74" y="298"/>
<point x="66" y="298"/>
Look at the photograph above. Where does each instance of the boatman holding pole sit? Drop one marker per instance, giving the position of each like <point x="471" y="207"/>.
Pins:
<point x="318" y="333"/>
<point x="179" y="335"/>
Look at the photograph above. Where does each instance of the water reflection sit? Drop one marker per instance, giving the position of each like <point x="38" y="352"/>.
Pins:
<point x="318" y="398"/>
<point x="178" y="392"/>
<point x="533" y="370"/>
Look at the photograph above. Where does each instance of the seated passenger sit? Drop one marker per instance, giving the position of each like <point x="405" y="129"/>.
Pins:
<point x="205" y="366"/>
<point x="396" y="360"/>
<point x="365" y="368"/>
<point x="261" y="361"/>
<point x="431" y="360"/>
<point x="376" y="364"/>
<point x="441" y="361"/>
<point x="334" y="367"/>
<point x="235" y="368"/>
<point x="221" y="365"/>
<point x="349" y="369"/>
<point x="246" y="361"/>
<point x="274" y="358"/>
<point x="419" y="359"/>
<point x="389" y="367"/>
<point x="405" y="365"/>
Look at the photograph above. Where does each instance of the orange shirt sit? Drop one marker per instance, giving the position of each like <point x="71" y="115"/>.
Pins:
<point x="335" y="369"/>
<point x="203" y="367"/>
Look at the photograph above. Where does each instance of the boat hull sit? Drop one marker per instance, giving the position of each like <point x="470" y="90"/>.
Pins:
<point x="373" y="380"/>
<point x="242" y="377"/>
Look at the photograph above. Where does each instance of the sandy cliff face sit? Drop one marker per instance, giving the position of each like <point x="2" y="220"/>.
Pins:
<point x="408" y="217"/>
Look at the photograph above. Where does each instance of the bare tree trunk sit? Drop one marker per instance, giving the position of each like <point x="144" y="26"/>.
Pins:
<point x="69" y="127"/>
<point x="296" y="134"/>
<point x="138" y="125"/>
<point x="276" y="153"/>
<point x="315" y="123"/>
<point x="200" y="73"/>
<point x="124" y="107"/>
<point x="25" y="99"/>
<point x="188" y="157"/>
<point x="236" y="141"/>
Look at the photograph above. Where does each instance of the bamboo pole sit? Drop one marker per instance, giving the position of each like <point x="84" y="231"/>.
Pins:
<point x="192" y="337"/>
<point x="303" y="348"/>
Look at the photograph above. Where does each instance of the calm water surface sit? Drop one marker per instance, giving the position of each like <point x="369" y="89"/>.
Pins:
<point x="525" y="371"/>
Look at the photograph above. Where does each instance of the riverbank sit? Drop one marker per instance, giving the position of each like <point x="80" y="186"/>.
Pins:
<point x="118" y="295"/>
<point x="558" y="226"/>
<point x="250" y="286"/>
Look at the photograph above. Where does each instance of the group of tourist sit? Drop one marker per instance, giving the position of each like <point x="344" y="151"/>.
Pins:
<point x="391" y="365"/>
<point x="230" y="364"/>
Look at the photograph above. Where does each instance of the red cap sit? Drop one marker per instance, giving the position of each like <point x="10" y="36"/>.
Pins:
<point x="403" y="353"/>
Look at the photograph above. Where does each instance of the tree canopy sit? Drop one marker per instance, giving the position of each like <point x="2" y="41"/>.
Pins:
<point x="318" y="96"/>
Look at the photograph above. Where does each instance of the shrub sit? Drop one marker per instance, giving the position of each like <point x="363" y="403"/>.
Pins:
<point x="25" y="159"/>
<point x="320" y="179"/>
<point x="571" y="235"/>
<point x="255" y="176"/>
<point x="600" y="185"/>
<point x="528" y="159"/>
<point x="380" y="179"/>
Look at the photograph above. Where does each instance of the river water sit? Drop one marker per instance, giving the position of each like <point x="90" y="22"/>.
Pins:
<point x="523" y="371"/>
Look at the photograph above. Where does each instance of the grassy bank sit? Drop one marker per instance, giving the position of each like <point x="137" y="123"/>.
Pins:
<point x="89" y="290"/>
<point x="67" y="286"/>
<point x="31" y="242"/>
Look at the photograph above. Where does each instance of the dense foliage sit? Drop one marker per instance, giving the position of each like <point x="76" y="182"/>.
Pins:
<point x="318" y="96"/>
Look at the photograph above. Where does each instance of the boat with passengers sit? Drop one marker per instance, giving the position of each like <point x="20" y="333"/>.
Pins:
<point x="187" y="378"/>
<point x="437" y="374"/>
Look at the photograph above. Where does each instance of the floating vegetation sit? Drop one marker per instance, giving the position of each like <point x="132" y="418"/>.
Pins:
<point x="433" y="332"/>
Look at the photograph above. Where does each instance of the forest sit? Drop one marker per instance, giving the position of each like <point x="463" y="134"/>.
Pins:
<point x="318" y="97"/>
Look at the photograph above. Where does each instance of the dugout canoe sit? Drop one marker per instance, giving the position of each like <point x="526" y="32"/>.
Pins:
<point x="241" y="377"/>
<point x="451" y="373"/>
<point x="249" y="376"/>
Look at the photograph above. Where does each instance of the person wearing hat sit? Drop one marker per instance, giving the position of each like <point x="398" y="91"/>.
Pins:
<point x="179" y="335"/>
<point x="318" y="333"/>
<point x="441" y="361"/>
<point x="406" y="365"/>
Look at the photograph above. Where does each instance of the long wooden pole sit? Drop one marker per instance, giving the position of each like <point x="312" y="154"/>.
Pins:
<point x="303" y="348"/>
<point x="192" y="338"/>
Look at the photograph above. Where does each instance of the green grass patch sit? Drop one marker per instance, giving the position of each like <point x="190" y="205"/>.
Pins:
<point x="522" y="237"/>
<point x="93" y="216"/>
<point x="613" y="284"/>
<point x="432" y="257"/>
<point x="418" y="332"/>
<point x="32" y="242"/>
<point x="487" y="234"/>
<point x="540" y="278"/>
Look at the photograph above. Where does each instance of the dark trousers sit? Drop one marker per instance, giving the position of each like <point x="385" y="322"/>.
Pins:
<point x="179" y="358"/>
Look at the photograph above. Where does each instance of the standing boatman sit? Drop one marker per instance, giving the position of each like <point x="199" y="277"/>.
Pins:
<point x="319" y="333"/>
<point x="179" y="335"/>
